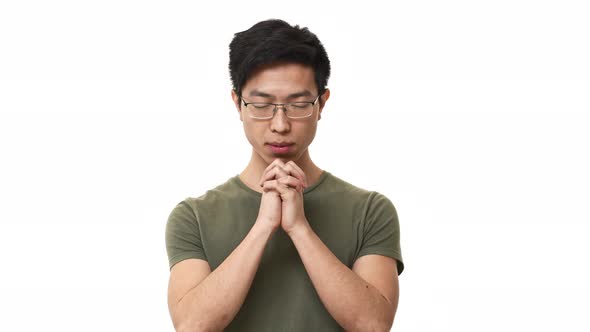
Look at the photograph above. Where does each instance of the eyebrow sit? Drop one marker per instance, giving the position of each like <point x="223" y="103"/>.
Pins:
<point x="256" y="93"/>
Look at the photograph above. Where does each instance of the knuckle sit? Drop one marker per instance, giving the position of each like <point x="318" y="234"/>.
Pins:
<point x="269" y="184"/>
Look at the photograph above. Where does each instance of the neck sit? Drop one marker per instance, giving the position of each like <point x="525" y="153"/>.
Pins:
<point x="253" y="172"/>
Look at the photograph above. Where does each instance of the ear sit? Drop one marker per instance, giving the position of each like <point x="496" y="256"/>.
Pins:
<point x="237" y="103"/>
<point x="322" y="101"/>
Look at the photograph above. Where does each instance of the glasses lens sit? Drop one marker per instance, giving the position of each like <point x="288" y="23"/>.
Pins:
<point x="260" y="110"/>
<point x="299" y="110"/>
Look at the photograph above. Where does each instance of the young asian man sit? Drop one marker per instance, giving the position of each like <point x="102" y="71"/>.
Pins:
<point x="284" y="245"/>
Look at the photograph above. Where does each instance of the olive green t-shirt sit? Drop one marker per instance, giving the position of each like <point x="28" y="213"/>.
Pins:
<point x="351" y="222"/>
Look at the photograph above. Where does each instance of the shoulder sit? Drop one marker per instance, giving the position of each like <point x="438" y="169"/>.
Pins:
<point x="221" y="194"/>
<point x="334" y="184"/>
<point x="337" y="186"/>
<point x="369" y="205"/>
<point x="228" y="190"/>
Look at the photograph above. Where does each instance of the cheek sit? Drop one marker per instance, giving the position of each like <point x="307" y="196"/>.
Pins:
<point x="252" y="132"/>
<point x="312" y="135"/>
<point x="310" y="131"/>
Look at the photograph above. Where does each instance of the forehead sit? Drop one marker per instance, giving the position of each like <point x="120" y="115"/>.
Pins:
<point x="281" y="79"/>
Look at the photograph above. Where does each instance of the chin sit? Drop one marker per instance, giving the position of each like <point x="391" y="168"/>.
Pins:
<point x="283" y="157"/>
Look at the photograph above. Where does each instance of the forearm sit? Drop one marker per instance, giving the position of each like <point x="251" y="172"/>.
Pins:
<point x="215" y="301"/>
<point x="353" y="303"/>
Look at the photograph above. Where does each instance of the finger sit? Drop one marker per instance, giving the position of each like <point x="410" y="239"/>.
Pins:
<point x="274" y="163"/>
<point x="268" y="168"/>
<point x="282" y="189"/>
<point x="269" y="186"/>
<point x="294" y="169"/>
<point x="275" y="173"/>
<point x="269" y="191"/>
<point x="281" y="170"/>
<point x="292" y="183"/>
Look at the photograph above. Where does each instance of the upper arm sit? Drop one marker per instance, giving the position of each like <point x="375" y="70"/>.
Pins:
<point x="184" y="276"/>
<point x="183" y="235"/>
<point x="380" y="272"/>
<point x="381" y="231"/>
<point x="187" y="258"/>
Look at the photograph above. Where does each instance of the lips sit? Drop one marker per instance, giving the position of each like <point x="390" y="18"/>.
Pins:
<point x="280" y="144"/>
<point x="280" y="147"/>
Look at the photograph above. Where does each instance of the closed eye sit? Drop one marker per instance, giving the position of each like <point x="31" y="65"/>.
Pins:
<point x="261" y="106"/>
<point x="300" y="105"/>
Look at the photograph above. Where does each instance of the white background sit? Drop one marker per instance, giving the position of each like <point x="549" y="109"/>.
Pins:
<point x="471" y="116"/>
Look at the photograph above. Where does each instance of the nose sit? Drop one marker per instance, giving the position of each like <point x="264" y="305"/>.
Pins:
<point x="280" y="122"/>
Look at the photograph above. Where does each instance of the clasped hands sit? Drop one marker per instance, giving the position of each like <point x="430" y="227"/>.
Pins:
<point x="282" y="197"/>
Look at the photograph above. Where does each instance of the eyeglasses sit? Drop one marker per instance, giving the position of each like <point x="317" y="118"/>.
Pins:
<point x="295" y="110"/>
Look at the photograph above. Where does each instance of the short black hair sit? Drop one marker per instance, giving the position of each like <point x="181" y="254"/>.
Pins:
<point x="273" y="41"/>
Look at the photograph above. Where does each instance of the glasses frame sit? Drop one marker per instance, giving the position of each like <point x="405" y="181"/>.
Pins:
<point x="283" y="105"/>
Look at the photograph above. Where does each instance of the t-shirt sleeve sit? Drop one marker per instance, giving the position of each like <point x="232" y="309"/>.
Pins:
<point x="381" y="233"/>
<point x="183" y="237"/>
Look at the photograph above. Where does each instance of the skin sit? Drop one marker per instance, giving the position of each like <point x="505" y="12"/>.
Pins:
<point x="363" y="298"/>
<point x="280" y="81"/>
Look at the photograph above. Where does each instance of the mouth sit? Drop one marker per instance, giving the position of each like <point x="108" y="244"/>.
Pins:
<point x="280" y="144"/>
<point x="280" y="148"/>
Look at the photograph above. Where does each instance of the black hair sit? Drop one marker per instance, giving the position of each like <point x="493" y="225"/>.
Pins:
<point x="274" y="41"/>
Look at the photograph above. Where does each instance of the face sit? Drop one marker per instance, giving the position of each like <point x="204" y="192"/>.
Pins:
<point x="281" y="83"/>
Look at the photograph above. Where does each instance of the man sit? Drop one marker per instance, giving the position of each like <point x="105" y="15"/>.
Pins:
<point x="284" y="245"/>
